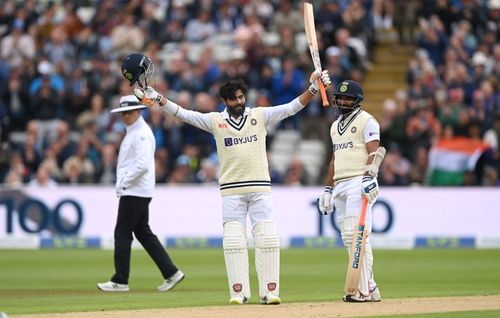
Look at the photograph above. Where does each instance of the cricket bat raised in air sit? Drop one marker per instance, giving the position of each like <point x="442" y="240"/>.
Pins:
<point x="356" y="256"/>
<point x="313" y="46"/>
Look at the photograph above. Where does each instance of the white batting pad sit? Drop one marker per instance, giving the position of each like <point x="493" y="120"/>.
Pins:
<point x="236" y="257"/>
<point x="267" y="257"/>
<point x="347" y="225"/>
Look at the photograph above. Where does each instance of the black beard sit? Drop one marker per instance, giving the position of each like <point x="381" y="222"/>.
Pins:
<point x="236" y="111"/>
<point x="345" y="111"/>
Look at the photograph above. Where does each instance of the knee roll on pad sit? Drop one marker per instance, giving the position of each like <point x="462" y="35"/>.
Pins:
<point x="265" y="235"/>
<point x="235" y="236"/>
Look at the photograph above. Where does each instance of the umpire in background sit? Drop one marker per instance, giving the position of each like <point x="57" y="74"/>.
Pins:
<point x="135" y="186"/>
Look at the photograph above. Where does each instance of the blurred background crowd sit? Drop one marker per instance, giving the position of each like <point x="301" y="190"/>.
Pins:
<point x="60" y="76"/>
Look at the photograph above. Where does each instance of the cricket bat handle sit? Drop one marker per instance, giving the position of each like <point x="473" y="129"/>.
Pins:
<point x="322" y="90"/>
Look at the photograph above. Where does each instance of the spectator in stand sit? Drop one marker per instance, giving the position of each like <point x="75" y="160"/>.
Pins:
<point x="395" y="168"/>
<point x="16" y="166"/>
<point x="209" y="172"/>
<point x="296" y="174"/>
<point x="149" y="22"/>
<point x="58" y="49"/>
<point x="46" y="73"/>
<point x="276" y="176"/>
<point x="405" y="20"/>
<point x="422" y="128"/>
<point x="43" y="178"/>
<point x="227" y="18"/>
<point x="126" y="37"/>
<point x="329" y="20"/>
<point x="72" y="171"/>
<point x="77" y="97"/>
<point x="85" y="165"/>
<point x="13" y="180"/>
<point x="50" y="160"/>
<point x="156" y="119"/>
<point x="349" y="57"/>
<point x="16" y="100"/>
<point x="420" y="165"/>
<point x="18" y="45"/>
<point x="287" y="14"/>
<point x="383" y="11"/>
<point x="162" y="165"/>
<point x="201" y="28"/>
<point x="106" y="172"/>
<point x="433" y="41"/>
<point x="46" y="110"/>
<point x="287" y="84"/>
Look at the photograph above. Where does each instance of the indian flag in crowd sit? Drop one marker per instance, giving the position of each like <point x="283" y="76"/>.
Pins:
<point x="450" y="158"/>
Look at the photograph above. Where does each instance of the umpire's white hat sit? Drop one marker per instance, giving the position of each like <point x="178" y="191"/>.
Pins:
<point x="128" y="102"/>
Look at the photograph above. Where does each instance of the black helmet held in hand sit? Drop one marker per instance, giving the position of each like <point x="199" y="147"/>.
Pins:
<point x="138" y="68"/>
<point x="353" y="91"/>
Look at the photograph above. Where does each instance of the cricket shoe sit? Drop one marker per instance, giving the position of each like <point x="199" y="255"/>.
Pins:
<point x="112" y="287"/>
<point x="172" y="281"/>
<point x="374" y="296"/>
<point x="238" y="300"/>
<point x="270" y="299"/>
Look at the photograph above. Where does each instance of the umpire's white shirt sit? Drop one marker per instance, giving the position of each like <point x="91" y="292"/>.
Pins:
<point x="135" y="172"/>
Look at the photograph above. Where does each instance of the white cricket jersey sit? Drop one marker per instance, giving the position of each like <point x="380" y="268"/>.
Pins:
<point x="349" y="137"/>
<point x="241" y="143"/>
<point x="135" y="171"/>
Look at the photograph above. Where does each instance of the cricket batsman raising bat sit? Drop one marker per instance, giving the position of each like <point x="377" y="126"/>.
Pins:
<point x="240" y="132"/>
<point x="313" y="46"/>
<point x="352" y="188"/>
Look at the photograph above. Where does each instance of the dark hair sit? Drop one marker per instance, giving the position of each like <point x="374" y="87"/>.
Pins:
<point x="229" y="88"/>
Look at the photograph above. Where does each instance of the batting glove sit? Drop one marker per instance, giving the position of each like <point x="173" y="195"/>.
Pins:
<point x="148" y="97"/>
<point x="370" y="188"/>
<point x="326" y="201"/>
<point x="313" y="79"/>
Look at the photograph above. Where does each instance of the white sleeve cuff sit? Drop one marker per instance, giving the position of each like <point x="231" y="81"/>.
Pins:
<point x="171" y="108"/>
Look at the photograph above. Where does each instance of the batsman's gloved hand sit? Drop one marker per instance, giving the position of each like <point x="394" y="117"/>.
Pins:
<point x="148" y="96"/>
<point x="326" y="201"/>
<point x="313" y="79"/>
<point x="370" y="188"/>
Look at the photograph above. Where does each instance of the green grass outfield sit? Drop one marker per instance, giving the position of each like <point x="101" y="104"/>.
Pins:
<point x="63" y="280"/>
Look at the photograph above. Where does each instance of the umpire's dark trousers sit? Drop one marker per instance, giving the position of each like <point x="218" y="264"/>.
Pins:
<point x="133" y="217"/>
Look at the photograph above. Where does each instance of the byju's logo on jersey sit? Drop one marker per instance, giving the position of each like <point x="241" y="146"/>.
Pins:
<point x="344" y="145"/>
<point x="228" y="142"/>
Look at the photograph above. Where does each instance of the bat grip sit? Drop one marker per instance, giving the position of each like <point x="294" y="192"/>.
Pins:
<point x="322" y="90"/>
<point x="362" y="216"/>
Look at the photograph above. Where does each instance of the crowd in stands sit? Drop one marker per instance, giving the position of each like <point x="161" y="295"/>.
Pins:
<point x="453" y="91"/>
<point x="60" y="76"/>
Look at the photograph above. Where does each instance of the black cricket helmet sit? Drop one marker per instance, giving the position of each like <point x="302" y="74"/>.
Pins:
<point x="351" y="89"/>
<point x="138" y="68"/>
